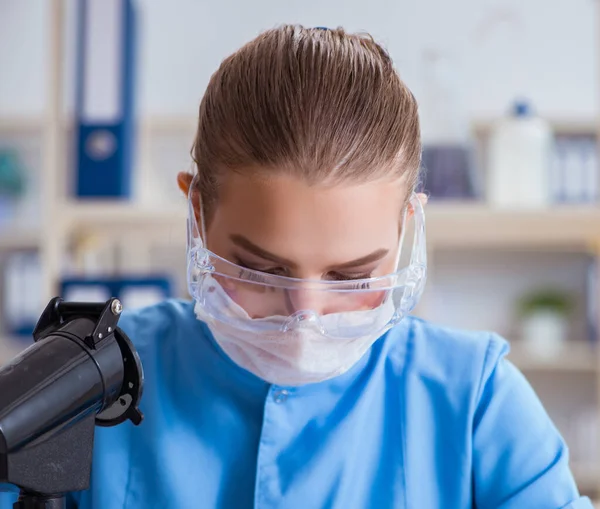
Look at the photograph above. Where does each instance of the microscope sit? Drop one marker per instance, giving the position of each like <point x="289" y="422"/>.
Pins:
<point x="81" y="371"/>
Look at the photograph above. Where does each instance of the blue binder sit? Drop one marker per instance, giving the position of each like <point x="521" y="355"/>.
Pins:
<point x="105" y="96"/>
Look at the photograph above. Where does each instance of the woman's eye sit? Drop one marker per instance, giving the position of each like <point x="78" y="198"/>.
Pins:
<point x="337" y="276"/>
<point x="359" y="285"/>
<point x="277" y="271"/>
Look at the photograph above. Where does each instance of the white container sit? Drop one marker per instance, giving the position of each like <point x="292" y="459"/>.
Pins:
<point x="518" y="162"/>
<point x="544" y="334"/>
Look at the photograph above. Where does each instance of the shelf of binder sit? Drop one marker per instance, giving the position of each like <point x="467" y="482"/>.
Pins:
<point x="119" y="217"/>
<point x="449" y="225"/>
<point x="576" y="357"/>
<point x="586" y="475"/>
<point x="105" y="99"/>
<point x="475" y="225"/>
<point x="13" y="240"/>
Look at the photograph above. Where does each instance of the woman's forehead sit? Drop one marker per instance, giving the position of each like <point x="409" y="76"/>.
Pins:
<point x="297" y="221"/>
<point x="288" y="199"/>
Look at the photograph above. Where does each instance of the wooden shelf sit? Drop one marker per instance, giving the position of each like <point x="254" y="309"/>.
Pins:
<point x="465" y="225"/>
<point x="177" y="123"/>
<point x="152" y="123"/>
<point x="170" y="123"/>
<point x="560" y="125"/>
<point x="576" y="357"/>
<point x="21" y="124"/>
<point x="587" y="476"/>
<point x="121" y="216"/>
<point x="17" y="238"/>
<point x="449" y="225"/>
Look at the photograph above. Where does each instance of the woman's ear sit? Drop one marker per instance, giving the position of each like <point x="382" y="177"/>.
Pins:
<point x="184" y="181"/>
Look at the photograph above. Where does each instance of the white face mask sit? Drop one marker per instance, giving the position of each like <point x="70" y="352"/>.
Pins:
<point x="295" y="357"/>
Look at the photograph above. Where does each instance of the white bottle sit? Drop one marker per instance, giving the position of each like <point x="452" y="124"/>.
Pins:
<point x="518" y="163"/>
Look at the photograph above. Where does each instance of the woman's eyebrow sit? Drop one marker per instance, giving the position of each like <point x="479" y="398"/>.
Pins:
<point x="364" y="260"/>
<point x="246" y="244"/>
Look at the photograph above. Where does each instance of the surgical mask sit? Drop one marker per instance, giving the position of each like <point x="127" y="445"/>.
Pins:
<point x="299" y="355"/>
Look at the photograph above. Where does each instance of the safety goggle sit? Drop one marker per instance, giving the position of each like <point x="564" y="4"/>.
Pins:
<point x="252" y="300"/>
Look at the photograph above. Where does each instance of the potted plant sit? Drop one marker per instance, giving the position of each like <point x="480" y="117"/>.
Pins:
<point x="544" y="321"/>
<point x="12" y="184"/>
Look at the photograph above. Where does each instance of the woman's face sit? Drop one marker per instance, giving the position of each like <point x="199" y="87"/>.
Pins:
<point x="283" y="226"/>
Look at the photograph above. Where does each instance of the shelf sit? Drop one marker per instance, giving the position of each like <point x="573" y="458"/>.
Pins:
<point x="15" y="238"/>
<point x="560" y="125"/>
<point x="21" y="124"/>
<point x="121" y="216"/>
<point x="170" y="123"/>
<point x="150" y="123"/>
<point x="477" y="225"/>
<point x="587" y="476"/>
<point x="577" y="357"/>
<point x="185" y="122"/>
<point x="455" y="225"/>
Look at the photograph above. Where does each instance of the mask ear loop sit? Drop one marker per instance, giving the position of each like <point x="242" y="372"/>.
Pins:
<point x="418" y="257"/>
<point x="401" y="241"/>
<point x="419" y="252"/>
<point x="389" y="294"/>
<point x="198" y="258"/>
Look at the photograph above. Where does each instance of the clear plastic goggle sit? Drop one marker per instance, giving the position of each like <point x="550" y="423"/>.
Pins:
<point x="251" y="300"/>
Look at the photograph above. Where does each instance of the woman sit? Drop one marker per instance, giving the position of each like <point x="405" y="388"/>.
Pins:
<point x="295" y="379"/>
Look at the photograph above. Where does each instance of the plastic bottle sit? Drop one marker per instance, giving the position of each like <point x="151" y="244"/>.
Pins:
<point x="519" y="157"/>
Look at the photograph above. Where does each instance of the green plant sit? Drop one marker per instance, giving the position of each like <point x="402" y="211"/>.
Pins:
<point x="552" y="300"/>
<point x="12" y="181"/>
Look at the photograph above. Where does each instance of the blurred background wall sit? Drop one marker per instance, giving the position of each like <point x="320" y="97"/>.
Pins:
<point x="493" y="78"/>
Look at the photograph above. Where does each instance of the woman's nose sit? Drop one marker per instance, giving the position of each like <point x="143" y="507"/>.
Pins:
<point x="302" y="299"/>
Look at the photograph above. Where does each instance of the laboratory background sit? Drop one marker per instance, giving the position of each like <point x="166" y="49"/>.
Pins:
<point x="98" y="106"/>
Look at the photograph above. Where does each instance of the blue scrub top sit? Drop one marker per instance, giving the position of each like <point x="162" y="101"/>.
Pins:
<point x="429" y="418"/>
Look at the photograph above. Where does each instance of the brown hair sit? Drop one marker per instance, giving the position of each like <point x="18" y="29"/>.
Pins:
<point x="320" y="104"/>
